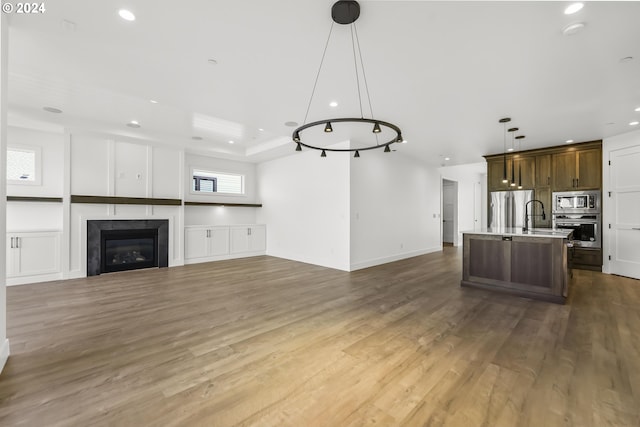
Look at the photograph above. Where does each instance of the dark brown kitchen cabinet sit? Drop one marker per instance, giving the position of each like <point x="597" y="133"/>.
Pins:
<point x="577" y="170"/>
<point x="543" y="170"/>
<point x="495" y="172"/>
<point x="523" y="166"/>
<point x="544" y="195"/>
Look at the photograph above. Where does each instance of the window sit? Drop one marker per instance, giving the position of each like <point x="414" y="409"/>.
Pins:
<point x="216" y="182"/>
<point x="23" y="165"/>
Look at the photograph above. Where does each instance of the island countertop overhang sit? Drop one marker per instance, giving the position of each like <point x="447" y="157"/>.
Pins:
<point x="532" y="232"/>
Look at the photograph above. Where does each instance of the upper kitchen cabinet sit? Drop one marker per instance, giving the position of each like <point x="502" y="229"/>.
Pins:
<point x="543" y="170"/>
<point x="523" y="166"/>
<point x="577" y="169"/>
<point x="495" y="173"/>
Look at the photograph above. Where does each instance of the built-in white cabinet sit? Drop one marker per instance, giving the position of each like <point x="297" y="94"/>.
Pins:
<point x="205" y="242"/>
<point x="33" y="256"/>
<point x="213" y="243"/>
<point x="249" y="238"/>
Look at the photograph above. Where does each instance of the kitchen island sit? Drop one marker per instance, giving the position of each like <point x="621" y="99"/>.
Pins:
<point x="531" y="263"/>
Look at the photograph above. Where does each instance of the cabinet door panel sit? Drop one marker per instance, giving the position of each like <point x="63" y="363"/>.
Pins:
<point x="564" y="171"/>
<point x="589" y="169"/>
<point x="495" y="172"/>
<point x="239" y="240"/>
<point x="525" y="168"/>
<point x="39" y="253"/>
<point x="220" y="241"/>
<point x="196" y="243"/>
<point x="257" y="239"/>
<point x="543" y="170"/>
<point x="544" y="195"/>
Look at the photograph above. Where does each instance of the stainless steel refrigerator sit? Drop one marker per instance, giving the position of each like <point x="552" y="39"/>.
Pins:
<point x="506" y="208"/>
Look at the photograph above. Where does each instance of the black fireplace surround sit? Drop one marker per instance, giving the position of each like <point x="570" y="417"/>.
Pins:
<point x="117" y="245"/>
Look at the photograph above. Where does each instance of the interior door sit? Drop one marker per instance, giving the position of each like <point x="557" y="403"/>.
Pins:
<point x="625" y="212"/>
<point x="448" y="203"/>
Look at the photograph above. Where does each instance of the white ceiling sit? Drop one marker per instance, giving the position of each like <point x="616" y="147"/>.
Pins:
<point x="445" y="72"/>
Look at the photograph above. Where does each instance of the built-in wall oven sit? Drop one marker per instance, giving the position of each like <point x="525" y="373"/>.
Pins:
<point x="579" y="211"/>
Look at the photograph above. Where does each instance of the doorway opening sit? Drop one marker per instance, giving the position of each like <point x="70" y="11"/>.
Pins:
<point x="449" y="212"/>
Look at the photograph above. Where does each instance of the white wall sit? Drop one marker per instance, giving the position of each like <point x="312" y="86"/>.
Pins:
<point x="393" y="204"/>
<point x="306" y="207"/>
<point x="29" y="216"/>
<point x="52" y="155"/>
<point x="617" y="142"/>
<point x="218" y="215"/>
<point x="468" y="177"/>
<point x="214" y="164"/>
<point x="4" y="33"/>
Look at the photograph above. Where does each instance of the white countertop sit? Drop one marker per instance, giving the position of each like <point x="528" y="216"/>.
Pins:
<point x="532" y="232"/>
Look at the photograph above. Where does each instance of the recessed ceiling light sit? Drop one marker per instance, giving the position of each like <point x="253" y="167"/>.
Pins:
<point x="404" y="141"/>
<point x="127" y="15"/>
<point x="573" y="8"/>
<point x="196" y="138"/>
<point x="637" y="109"/>
<point x="572" y="29"/>
<point x="447" y="158"/>
<point x="569" y="141"/>
<point x="634" y="123"/>
<point x="212" y="61"/>
<point x="230" y="142"/>
<point x="133" y="124"/>
<point x="52" y="110"/>
<point x="509" y="149"/>
<point x="153" y="101"/>
<point x="261" y="130"/>
<point x="291" y="124"/>
<point x="333" y="104"/>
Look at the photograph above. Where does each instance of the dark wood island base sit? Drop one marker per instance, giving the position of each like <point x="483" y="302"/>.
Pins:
<point x="531" y="264"/>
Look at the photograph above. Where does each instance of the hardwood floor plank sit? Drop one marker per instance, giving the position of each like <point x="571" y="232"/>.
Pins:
<point x="269" y="342"/>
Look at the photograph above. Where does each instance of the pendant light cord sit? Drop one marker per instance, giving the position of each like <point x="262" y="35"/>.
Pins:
<point x="318" y="74"/>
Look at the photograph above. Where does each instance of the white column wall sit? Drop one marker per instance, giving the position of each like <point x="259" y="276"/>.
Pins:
<point x="4" y="44"/>
<point x="395" y="204"/>
<point x="306" y="208"/>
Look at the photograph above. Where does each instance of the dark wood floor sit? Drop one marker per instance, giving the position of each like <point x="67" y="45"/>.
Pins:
<point x="270" y="342"/>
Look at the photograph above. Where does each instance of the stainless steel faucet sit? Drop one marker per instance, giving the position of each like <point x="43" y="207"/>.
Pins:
<point x="526" y="213"/>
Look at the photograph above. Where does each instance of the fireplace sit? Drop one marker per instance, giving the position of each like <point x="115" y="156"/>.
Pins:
<point x="119" y="245"/>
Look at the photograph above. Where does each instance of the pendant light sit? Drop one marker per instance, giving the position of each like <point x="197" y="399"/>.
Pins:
<point x="504" y="122"/>
<point x="513" y="159"/>
<point x="520" y="138"/>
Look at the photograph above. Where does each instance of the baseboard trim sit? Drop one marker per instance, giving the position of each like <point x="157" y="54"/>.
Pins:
<point x="392" y="258"/>
<point x="4" y="354"/>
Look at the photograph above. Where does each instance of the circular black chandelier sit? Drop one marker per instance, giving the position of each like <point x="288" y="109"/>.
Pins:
<point x="346" y="12"/>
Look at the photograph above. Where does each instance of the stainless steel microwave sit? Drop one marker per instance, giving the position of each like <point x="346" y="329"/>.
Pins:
<point x="576" y="202"/>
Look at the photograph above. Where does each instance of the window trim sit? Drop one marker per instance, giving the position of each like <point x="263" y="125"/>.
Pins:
<point x="37" y="167"/>
<point x="208" y="170"/>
